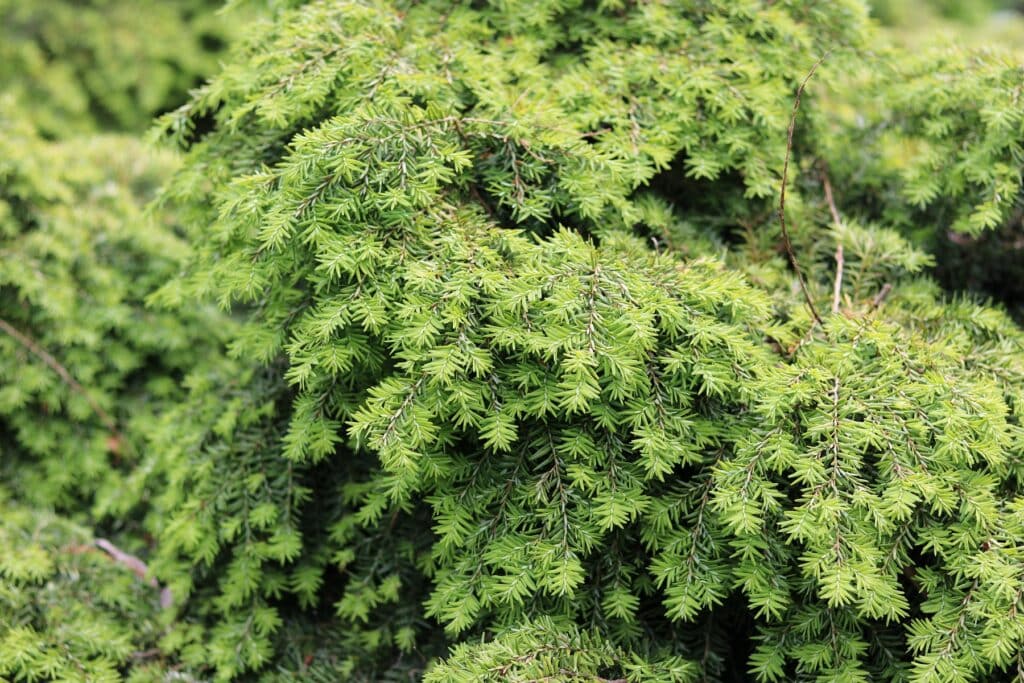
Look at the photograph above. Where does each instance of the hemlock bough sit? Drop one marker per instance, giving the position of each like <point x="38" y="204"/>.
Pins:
<point x="519" y="383"/>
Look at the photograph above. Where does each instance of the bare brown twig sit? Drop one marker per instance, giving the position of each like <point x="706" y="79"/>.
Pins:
<point x="782" y="195"/>
<point x="62" y="372"/>
<point x="880" y="297"/>
<point x="137" y="567"/>
<point x="830" y="199"/>
<point x="837" y="287"/>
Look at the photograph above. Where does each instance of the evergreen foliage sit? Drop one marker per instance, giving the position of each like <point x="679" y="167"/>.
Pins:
<point x="430" y="219"/>
<point x="935" y="159"/>
<point x="520" y="380"/>
<point x="545" y="650"/>
<point x="904" y="13"/>
<point x="67" y="612"/>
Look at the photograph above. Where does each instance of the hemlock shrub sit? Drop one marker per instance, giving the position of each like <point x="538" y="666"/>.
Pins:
<point x="451" y="230"/>
<point x="521" y="382"/>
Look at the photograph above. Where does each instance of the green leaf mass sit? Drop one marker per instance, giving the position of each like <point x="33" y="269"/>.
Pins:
<point x="461" y="341"/>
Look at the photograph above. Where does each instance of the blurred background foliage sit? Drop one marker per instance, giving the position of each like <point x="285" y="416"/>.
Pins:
<point x="83" y="65"/>
<point x="992" y="263"/>
<point x="85" y="365"/>
<point x="978" y="19"/>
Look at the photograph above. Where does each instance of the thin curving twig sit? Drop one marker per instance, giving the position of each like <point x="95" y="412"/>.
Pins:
<point x="782" y="194"/>
<point x="62" y="372"/>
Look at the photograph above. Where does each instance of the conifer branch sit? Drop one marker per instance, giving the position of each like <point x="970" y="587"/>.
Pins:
<point x="462" y="382"/>
<point x="782" y="194"/>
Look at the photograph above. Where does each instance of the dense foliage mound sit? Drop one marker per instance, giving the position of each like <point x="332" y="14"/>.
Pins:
<point x="531" y="372"/>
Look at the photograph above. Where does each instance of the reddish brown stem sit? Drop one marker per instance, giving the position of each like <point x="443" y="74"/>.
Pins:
<point x="62" y="372"/>
<point x="782" y="195"/>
